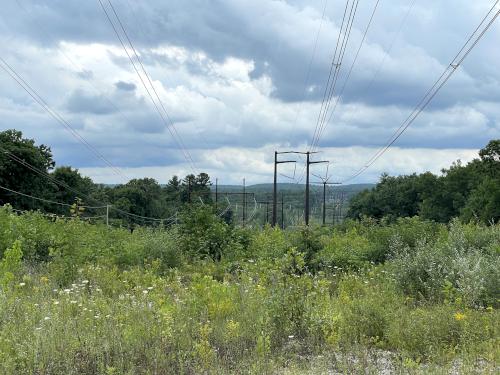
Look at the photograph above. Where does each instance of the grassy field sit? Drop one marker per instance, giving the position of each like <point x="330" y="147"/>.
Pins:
<point x="203" y="297"/>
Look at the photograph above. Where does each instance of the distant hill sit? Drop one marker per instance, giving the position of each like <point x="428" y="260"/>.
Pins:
<point x="290" y="187"/>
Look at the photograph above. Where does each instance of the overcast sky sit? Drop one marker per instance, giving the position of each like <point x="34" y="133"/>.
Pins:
<point x="233" y="78"/>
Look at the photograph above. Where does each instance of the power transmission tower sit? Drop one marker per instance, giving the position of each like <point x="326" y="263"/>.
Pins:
<point x="275" y="184"/>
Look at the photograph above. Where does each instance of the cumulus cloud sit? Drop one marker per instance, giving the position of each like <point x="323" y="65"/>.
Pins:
<point x="231" y="78"/>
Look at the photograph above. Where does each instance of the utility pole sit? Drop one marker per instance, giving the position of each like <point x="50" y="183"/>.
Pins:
<point x="275" y="185"/>
<point x="308" y="163"/>
<point x="107" y="215"/>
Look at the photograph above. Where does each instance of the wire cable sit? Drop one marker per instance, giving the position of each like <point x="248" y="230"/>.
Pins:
<point x="169" y="124"/>
<point x="37" y="98"/>
<point x="45" y="200"/>
<point x="313" y="55"/>
<point x="339" y="96"/>
<point x="433" y="91"/>
<point x="66" y="186"/>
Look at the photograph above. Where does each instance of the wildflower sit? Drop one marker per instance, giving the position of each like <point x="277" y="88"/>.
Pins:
<point x="108" y="316"/>
<point x="96" y="316"/>
<point x="46" y="318"/>
<point x="73" y="302"/>
<point x="85" y="282"/>
<point x="150" y="288"/>
<point x="44" y="279"/>
<point x="67" y="290"/>
<point x="54" y="290"/>
<point x="459" y="316"/>
<point x="56" y="302"/>
<point x="36" y="305"/>
<point x="22" y="284"/>
<point x="291" y="336"/>
<point x="145" y="291"/>
<point x="38" y="328"/>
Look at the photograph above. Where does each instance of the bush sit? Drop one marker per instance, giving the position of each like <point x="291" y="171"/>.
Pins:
<point x="461" y="266"/>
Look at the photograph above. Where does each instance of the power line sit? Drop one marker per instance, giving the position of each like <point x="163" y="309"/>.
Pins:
<point x="335" y="66"/>
<point x="151" y="84"/>
<point x="432" y="92"/>
<point x="52" y="215"/>
<point x="339" y="96"/>
<point x="308" y="74"/>
<point x="45" y="200"/>
<point x="342" y="41"/>
<point x="37" y="98"/>
<point x="75" y="65"/>
<point x="169" y="124"/>
<point x="337" y="75"/>
<point x="386" y="53"/>
<point x="66" y="186"/>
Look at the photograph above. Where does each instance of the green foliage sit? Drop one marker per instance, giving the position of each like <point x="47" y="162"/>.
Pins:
<point x="205" y="297"/>
<point x="463" y="265"/>
<point x="203" y="234"/>
<point x="470" y="192"/>
<point x="349" y="251"/>
<point x="16" y="176"/>
<point x="10" y="265"/>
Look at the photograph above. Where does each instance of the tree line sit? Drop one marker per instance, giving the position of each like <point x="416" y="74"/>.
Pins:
<point x="470" y="192"/>
<point x="24" y="167"/>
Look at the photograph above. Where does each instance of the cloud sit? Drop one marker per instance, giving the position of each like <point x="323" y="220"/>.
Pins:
<point x="125" y="86"/>
<point x="231" y="79"/>
<point x="256" y="165"/>
<point x="81" y="102"/>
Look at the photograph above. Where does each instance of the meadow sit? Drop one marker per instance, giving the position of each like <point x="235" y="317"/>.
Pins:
<point x="409" y="296"/>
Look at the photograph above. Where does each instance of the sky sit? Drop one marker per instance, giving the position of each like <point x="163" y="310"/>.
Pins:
<point x="239" y="79"/>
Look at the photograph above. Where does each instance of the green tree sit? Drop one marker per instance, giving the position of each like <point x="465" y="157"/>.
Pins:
<point x="483" y="203"/>
<point x="19" y="177"/>
<point x="467" y="191"/>
<point x="72" y="178"/>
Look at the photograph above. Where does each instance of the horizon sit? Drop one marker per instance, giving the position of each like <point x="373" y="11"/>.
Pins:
<point x="237" y="81"/>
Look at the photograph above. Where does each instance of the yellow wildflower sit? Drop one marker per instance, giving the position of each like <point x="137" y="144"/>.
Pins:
<point x="459" y="316"/>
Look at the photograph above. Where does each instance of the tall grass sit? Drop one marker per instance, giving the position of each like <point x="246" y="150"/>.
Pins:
<point x="77" y="298"/>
